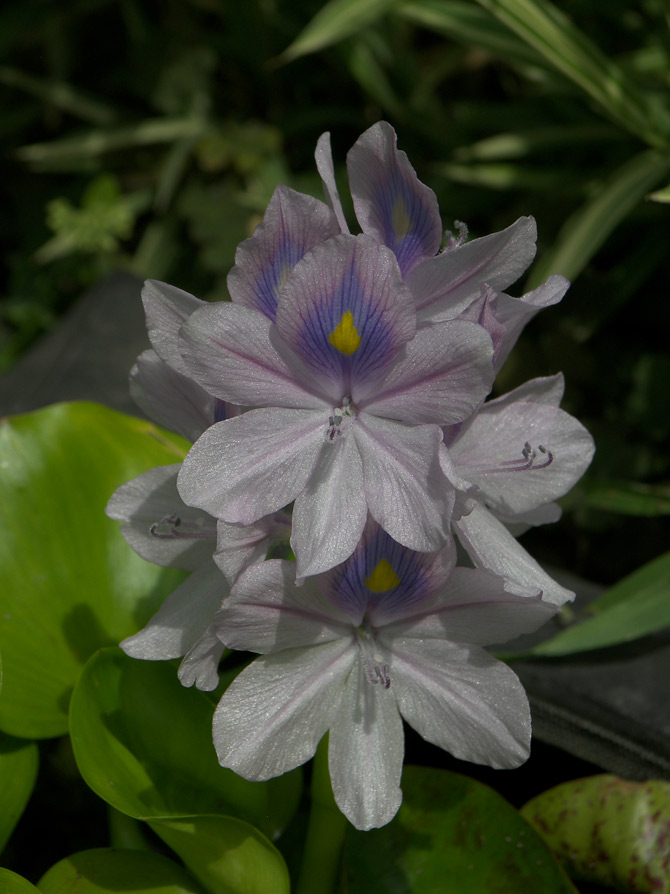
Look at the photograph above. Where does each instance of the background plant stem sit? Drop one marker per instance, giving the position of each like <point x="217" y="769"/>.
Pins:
<point x="325" y="833"/>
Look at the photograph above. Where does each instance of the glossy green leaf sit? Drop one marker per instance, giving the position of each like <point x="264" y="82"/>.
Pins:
<point x="628" y="498"/>
<point x="11" y="883"/>
<point x="608" y="830"/>
<point x="19" y="761"/>
<point x="227" y="855"/>
<point x="144" y="743"/>
<point x="553" y="36"/>
<point x="589" y="227"/>
<point x="335" y="21"/>
<point x="110" y="870"/>
<point x="637" y="605"/>
<point x="69" y="583"/>
<point x="451" y="834"/>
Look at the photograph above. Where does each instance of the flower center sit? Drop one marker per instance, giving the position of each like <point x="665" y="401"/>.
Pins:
<point x="341" y="418"/>
<point x="376" y="669"/>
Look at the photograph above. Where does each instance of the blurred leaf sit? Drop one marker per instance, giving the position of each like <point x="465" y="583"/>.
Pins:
<point x="660" y="195"/>
<point x="110" y="870"/>
<point x="226" y="855"/>
<point x="104" y="218"/>
<point x="143" y="743"/>
<point x="69" y="152"/>
<point x="637" y="605"/>
<point x="588" y="228"/>
<point x="545" y="28"/>
<point x="19" y="761"/>
<point x="366" y="68"/>
<point x="466" y="23"/>
<point x="11" y="883"/>
<point x="608" y="830"/>
<point x="60" y="95"/>
<point x="69" y="583"/>
<point x="333" y="22"/>
<point x="450" y="827"/>
<point x="628" y="497"/>
<point x="535" y="141"/>
<point x="502" y="176"/>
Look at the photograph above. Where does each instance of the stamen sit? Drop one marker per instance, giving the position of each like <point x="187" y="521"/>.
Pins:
<point x="379" y="674"/>
<point x="173" y="527"/>
<point x="376" y="670"/>
<point x="529" y="461"/>
<point x="453" y="241"/>
<point x="339" y="416"/>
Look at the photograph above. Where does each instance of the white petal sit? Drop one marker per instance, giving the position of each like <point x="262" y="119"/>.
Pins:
<point x="330" y="513"/>
<point x="473" y="607"/>
<point x="522" y="455"/>
<point x="462" y="700"/>
<point x="238" y="546"/>
<point x="441" y="376"/>
<point x="292" y="225"/>
<point x="444" y="286"/>
<point x="235" y="353"/>
<point x="166" y="309"/>
<point x="273" y="715"/>
<point x="170" y="398"/>
<point x="543" y="390"/>
<point x="491" y="547"/>
<point x="182" y="619"/>
<point x="324" y="165"/>
<point x="144" y="503"/>
<point x="406" y="491"/>
<point x="515" y="313"/>
<point x="248" y="467"/>
<point x="267" y="612"/>
<point x="365" y="753"/>
<point x="200" y="664"/>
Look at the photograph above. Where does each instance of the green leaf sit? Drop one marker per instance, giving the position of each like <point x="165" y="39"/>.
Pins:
<point x="11" y="883"/>
<point x="19" y="761"/>
<point x="451" y="827"/>
<point x="226" y="855"/>
<point x="143" y="743"/>
<point x="628" y="497"/>
<point x="608" y="830"/>
<point x="69" y="583"/>
<point x="590" y="226"/>
<point x="333" y="22"/>
<point x="554" y="37"/>
<point x="639" y="604"/>
<point x="463" y="21"/>
<point x="110" y="870"/>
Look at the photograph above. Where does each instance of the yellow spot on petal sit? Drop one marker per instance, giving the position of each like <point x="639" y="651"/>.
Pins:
<point x="345" y="337"/>
<point x="383" y="578"/>
<point x="402" y="223"/>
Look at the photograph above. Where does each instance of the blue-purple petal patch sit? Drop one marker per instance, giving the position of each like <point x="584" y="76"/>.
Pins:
<point x="293" y="224"/>
<point x="379" y="574"/>
<point x="345" y="311"/>
<point x="390" y="201"/>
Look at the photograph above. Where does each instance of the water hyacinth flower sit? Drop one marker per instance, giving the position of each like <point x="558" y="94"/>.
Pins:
<point x="157" y="523"/>
<point x="350" y="397"/>
<point x="162" y="529"/>
<point x="399" y="211"/>
<point x="389" y="634"/>
<point x="515" y="456"/>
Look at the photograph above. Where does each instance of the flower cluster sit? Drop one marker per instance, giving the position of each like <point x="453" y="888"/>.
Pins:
<point x="339" y="401"/>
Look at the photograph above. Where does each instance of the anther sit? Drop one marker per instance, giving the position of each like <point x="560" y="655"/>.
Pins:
<point x="173" y="527"/>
